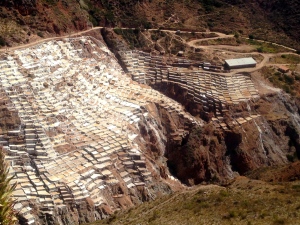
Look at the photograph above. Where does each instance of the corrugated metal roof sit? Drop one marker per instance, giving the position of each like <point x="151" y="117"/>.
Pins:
<point x="240" y="61"/>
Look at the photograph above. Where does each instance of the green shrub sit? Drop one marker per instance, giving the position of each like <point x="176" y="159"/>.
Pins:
<point x="40" y="34"/>
<point x="288" y="79"/>
<point x="154" y="37"/>
<point x="51" y="2"/>
<point x="279" y="221"/>
<point x="93" y="20"/>
<point x="232" y="214"/>
<point x="118" y="30"/>
<point x="290" y="157"/>
<point x="260" y="49"/>
<point x="109" y="16"/>
<point x="286" y="88"/>
<point x="224" y="193"/>
<point x="7" y="213"/>
<point x="210" y="24"/>
<point x="147" y="25"/>
<point x="2" y="41"/>
<point x="296" y="186"/>
<point x="277" y="74"/>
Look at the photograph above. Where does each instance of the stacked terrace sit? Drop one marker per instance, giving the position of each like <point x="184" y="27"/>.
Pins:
<point x="215" y="92"/>
<point x="76" y="108"/>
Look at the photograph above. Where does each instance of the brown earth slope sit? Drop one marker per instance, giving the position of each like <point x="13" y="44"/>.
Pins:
<point x="24" y="20"/>
<point x="244" y="201"/>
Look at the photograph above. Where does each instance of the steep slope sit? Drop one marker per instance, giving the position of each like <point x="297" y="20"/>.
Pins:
<point x="83" y="139"/>
<point x="244" y="201"/>
<point x="246" y="128"/>
<point x="276" y="21"/>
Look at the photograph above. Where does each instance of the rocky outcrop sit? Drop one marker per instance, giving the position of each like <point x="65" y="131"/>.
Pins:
<point x="210" y="154"/>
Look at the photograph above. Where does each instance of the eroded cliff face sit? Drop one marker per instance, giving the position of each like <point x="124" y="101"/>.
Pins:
<point x="85" y="140"/>
<point x="82" y="138"/>
<point x="243" y="130"/>
<point x="152" y="136"/>
<point x="213" y="154"/>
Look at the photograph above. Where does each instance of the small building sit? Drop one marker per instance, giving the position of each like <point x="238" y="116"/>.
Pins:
<point x="283" y="69"/>
<point x="206" y="64"/>
<point x="240" y="63"/>
<point x="180" y="53"/>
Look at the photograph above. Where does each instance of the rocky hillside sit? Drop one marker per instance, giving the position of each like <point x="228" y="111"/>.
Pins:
<point x="244" y="201"/>
<point x="238" y="136"/>
<point x="25" y="20"/>
<point x="82" y="138"/>
<point x="96" y="124"/>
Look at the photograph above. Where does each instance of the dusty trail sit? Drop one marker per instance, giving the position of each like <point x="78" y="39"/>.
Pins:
<point x="192" y="43"/>
<point x="47" y="39"/>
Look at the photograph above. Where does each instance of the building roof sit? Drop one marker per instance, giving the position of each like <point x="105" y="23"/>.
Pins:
<point x="283" y="68"/>
<point x="240" y="61"/>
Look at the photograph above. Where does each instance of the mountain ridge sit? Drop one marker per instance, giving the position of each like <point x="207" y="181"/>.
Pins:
<point x="272" y="20"/>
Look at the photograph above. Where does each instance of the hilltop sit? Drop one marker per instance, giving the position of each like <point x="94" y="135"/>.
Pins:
<point x="25" y="20"/>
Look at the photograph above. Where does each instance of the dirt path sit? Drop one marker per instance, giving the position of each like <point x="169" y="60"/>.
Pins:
<point x="193" y="42"/>
<point x="190" y="43"/>
<point x="230" y="49"/>
<point x="47" y="39"/>
<point x="292" y="49"/>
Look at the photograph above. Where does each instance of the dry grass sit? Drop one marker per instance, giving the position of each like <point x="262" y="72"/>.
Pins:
<point x="243" y="202"/>
<point x="288" y="82"/>
<point x="220" y="41"/>
<point x="266" y="47"/>
<point x="10" y="29"/>
<point x="286" y="59"/>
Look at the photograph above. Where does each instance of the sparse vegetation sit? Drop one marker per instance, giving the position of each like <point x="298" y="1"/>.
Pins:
<point x="40" y="34"/>
<point x="220" y="41"/>
<point x="264" y="47"/>
<point x="51" y="2"/>
<point x="251" y="37"/>
<point x="286" y="59"/>
<point x="238" y="204"/>
<point x="210" y="5"/>
<point x="7" y="214"/>
<point x="2" y="41"/>
<point x="290" y="83"/>
<point x="131" y="36"/>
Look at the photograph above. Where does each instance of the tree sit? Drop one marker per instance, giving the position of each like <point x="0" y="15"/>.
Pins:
<point x="260" y="49"/>
<point x="7" y="213"/>
<point x="251" y="36"/>
<point x="2" y="41"/>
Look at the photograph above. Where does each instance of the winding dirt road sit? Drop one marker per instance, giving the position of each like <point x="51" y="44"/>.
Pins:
<point x="192" y="43"/>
